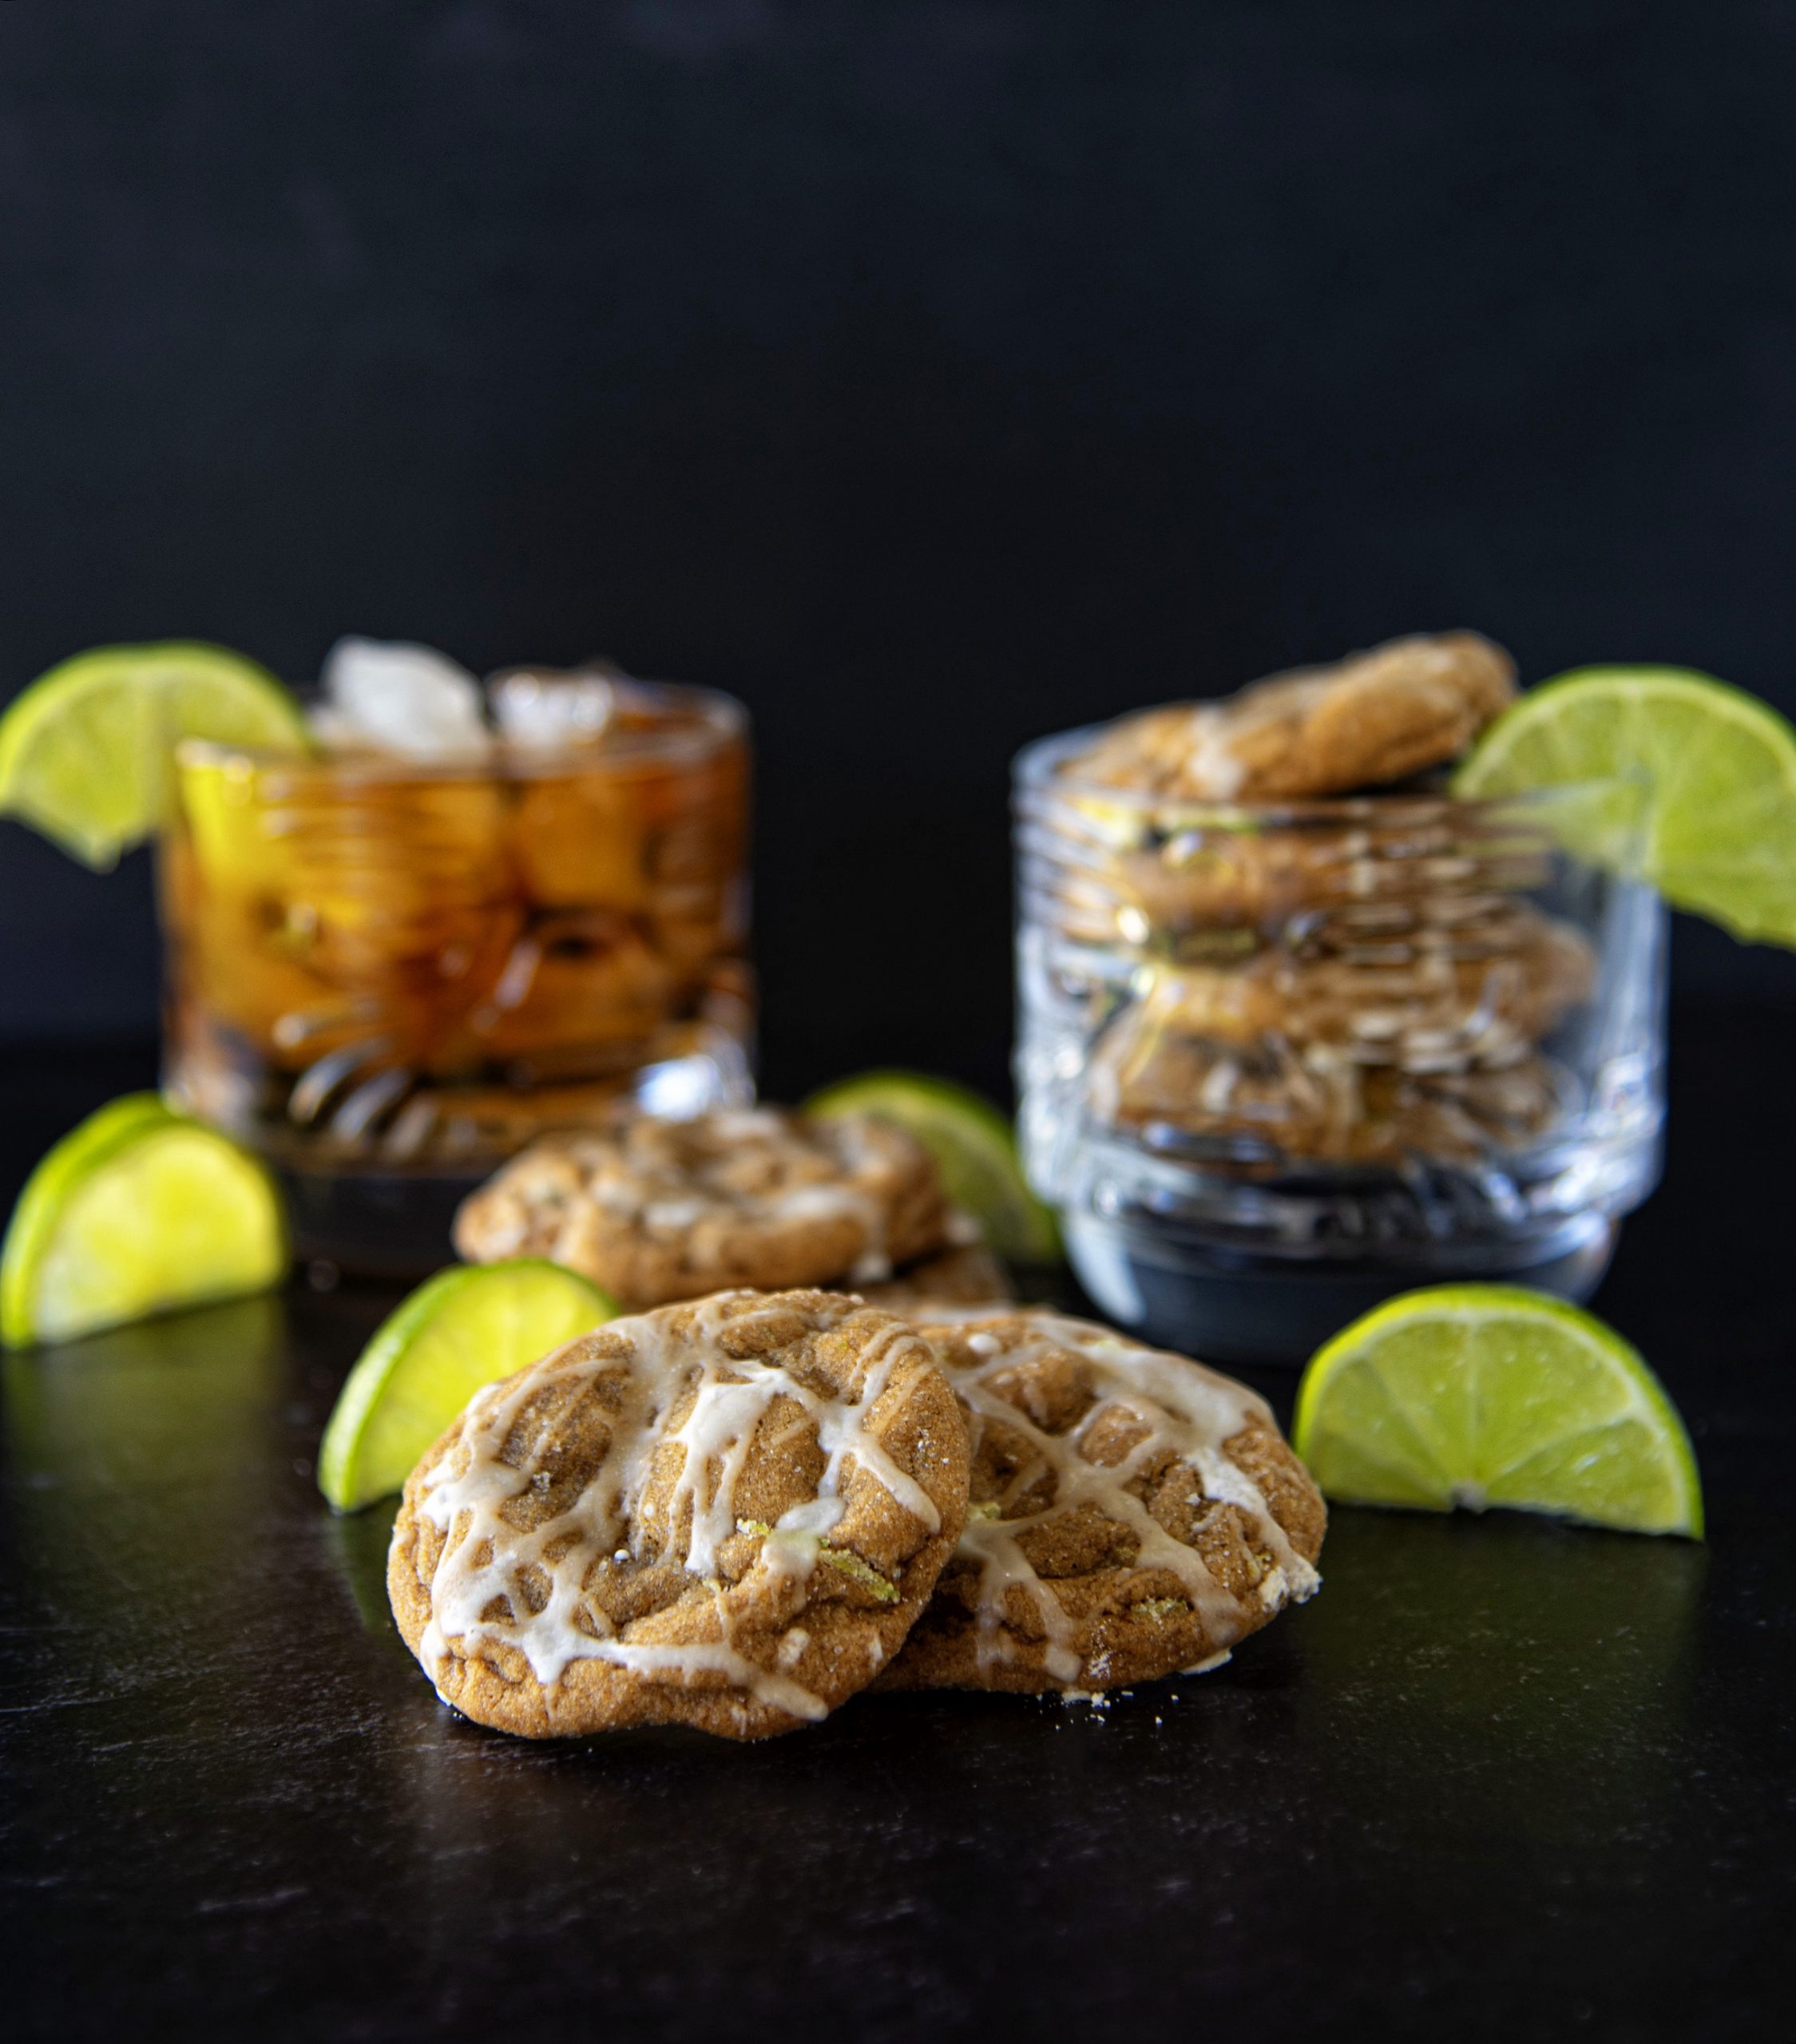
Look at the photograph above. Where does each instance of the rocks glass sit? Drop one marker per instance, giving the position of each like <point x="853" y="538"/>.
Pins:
<point x="1280" y="1060"/>
<point x="387" y="974"/>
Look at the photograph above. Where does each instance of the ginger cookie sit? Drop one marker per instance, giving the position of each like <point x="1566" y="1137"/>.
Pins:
<point x="967" y="1276"/>
<point x="1422" y="1043"/>
<point x="1133" y="1514"/>
<point x="1277" y="1102"/>
<point x="655" y="1210"/>
<point x="1375" y="718"/>
<point x="1370" y="864"/>
<point x="726" y="1514"/>
<point x="1445" y="1001"/>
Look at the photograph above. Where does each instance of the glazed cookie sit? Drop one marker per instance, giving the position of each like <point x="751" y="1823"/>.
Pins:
<point x="1376" y="718"/>
<point x="1133" y="1514"/>
<point x="967" y="1276"/>
<point x="725" y="1513"/>
<point x="655" y="1210"/>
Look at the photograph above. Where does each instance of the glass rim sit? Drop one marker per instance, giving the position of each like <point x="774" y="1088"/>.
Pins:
<point x="719" y="719"/>
<point x="1037" y="771"/>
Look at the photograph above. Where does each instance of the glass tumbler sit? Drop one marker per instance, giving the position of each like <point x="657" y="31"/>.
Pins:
<point x="1280" y="1061"/>
<point x="388" y="975"/>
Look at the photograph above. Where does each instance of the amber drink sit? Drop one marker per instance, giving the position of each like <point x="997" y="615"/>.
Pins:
<point x="389" y="972"/>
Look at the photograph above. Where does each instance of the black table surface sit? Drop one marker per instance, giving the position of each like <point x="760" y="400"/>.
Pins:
<point x="1501" y="1778"/>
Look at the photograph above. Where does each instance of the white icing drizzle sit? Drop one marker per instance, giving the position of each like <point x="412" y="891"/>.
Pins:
<point x="1183" y="1408"/>
<point x="668" y="1186"/>
<point x="853" y="1138"/>
<point x="747" y="1124"/>
<point x="485" y="1560"/>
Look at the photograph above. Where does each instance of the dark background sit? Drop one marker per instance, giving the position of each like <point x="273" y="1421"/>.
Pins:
<point x="933" y="375"/>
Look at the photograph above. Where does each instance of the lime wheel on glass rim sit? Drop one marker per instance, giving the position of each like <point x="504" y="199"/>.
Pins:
<point x="1716" y="767"/>
<point x="85" y="749"/>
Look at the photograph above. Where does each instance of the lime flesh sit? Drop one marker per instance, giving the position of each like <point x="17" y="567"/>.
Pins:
<point x="972" y="1147"/>
<point x="139" y="1211"/>
<point x="462" y="1328"/>
<point x="1487" y="1394"/>
<point x="1718" y="766"/>
<point x="85" y="750"/>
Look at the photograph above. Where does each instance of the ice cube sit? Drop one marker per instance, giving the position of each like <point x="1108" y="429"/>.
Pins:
<point x="401" y="698"/>
<point x="534" y="709"/>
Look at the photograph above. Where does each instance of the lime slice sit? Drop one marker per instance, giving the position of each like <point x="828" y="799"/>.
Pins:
<point x="139" y="1210"/>
<point x="84" y="750"/>
<point x="973" y="1146"/>
<point x="40" y="1204"/>
<point x="464" y="1327"/>
<point x="1480" y="1395"/>
<point x="1720" y="767"/>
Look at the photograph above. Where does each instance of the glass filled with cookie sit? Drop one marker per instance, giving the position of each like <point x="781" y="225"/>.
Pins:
<point x="1301" y="1028"/>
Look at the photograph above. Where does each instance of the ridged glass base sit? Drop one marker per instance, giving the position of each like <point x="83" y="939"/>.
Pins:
<point x="373" y="1214"/>
<point x="1225" y="1304"/>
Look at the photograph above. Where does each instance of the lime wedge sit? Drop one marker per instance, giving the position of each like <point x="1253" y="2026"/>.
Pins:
<point x="1720" y="767"/>
<point x="972" y="1147"/>
<point x="1480" y="1395"/>
<point x="139" y="1210"/>
<point x="464" y="1327"/>
<point x="84" y="750"/>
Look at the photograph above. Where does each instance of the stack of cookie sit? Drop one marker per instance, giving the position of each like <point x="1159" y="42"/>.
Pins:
<point x="1330" y="958"/>
<point x="737" y="1510"/>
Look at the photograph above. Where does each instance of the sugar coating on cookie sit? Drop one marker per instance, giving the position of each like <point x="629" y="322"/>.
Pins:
<point x="725" y="1513"/>
<point x="656" y="1211"/>
<point x="1133" y="1514"/>
<point x="1377" y="717"/>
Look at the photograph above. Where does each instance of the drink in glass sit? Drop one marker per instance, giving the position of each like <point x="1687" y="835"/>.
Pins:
<point x="389" y="972"/>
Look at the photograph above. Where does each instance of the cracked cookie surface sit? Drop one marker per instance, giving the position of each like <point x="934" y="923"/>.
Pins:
<point x="1375" y="718"/>
<point x="726" y="1514"/>
<point x="1132" y="1514"/>
<point x="656" y="1211"/>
